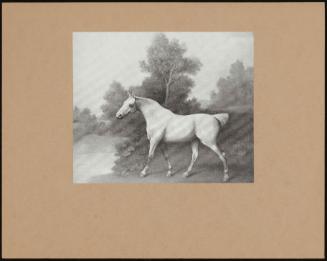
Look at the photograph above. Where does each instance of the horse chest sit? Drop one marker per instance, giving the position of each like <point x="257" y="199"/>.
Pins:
<point x="154" y="130"/>
<point x="156" y="126"/>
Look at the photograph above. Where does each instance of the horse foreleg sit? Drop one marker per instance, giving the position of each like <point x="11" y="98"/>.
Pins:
<point x="195" y="153"/>
<point x="153" y="144"/>
<point x="163" y="149"/>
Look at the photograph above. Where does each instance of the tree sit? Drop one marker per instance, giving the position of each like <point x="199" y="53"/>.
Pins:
<point x="235" y="90"/>
<point x="234" y="94"/>
<point x="76" y="114"/>
<point x="166" y="62"/>
<point x="84" y="123"/>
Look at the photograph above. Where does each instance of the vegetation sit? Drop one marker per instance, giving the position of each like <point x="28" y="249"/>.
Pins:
<point x="234" y="94"/>
<point x="84" y="123"/>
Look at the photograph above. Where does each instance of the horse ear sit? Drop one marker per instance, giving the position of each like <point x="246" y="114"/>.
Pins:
<point x="131" y="94"/>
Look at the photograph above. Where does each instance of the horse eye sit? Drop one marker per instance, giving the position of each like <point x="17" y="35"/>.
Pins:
<point x="131" y="105"/>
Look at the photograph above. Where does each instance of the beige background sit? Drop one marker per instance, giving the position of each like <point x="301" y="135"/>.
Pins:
<point x="279" y="215"/>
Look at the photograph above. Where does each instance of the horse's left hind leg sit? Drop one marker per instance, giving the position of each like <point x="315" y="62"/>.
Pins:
<point x="221" y="156"/>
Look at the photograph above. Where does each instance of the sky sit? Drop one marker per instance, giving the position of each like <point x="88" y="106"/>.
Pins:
<point x="99" y="58"/>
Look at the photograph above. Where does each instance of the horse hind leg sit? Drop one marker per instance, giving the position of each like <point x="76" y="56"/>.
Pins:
<point x="213" y="146"/>
<point x="195" y="153"/>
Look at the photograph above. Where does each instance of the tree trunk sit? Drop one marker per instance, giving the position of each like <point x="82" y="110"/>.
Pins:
<point x="168" y="83"/>
<point x="167" y="94"/>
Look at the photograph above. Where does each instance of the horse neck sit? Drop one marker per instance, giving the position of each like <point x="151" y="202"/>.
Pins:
<point x="150" y="109"/>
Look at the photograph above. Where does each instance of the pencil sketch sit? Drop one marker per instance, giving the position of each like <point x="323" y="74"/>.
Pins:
<point x="163" y="107"/>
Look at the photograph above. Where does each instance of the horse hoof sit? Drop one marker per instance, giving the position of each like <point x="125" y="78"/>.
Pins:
<point x="186" y="174"/>
<point x="142" y="175"/>
<point x="169" y="174"/>
<point x="226" y="178"/>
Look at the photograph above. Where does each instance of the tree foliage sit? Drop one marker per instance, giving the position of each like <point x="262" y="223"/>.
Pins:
<point x="84" y="122"/>
<point x="166" y="62"/>
<point x="235" y="90"/>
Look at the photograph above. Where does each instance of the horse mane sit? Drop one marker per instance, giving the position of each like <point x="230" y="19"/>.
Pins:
<point x="144" y="98"/>
<point x="147" y="100"/>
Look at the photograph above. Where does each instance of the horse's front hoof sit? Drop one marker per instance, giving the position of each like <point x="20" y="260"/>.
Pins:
<point x="142" y="175"/>
<point x="186" y="174"/>
<point x="169" y="173"/>
<point x="226" y="177"/>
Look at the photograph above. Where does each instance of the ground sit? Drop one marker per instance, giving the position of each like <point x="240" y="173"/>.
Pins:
<point x="94" y="157"/>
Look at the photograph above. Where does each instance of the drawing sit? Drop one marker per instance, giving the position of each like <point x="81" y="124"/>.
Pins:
<point x="163" y="107"/>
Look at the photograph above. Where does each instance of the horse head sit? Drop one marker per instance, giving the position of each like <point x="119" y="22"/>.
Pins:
<point x="129" y="105"/>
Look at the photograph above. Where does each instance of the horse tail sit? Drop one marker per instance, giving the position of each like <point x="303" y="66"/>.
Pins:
<point x="222" y="118"/>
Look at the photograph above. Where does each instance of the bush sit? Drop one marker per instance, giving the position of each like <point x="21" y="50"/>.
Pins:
<point x="237" y="138"/>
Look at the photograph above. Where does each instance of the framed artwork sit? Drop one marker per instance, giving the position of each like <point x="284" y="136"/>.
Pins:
<point x="163" y="130"/>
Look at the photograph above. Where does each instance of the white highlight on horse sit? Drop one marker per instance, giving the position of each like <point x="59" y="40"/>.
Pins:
<point x="162" y="125"/>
